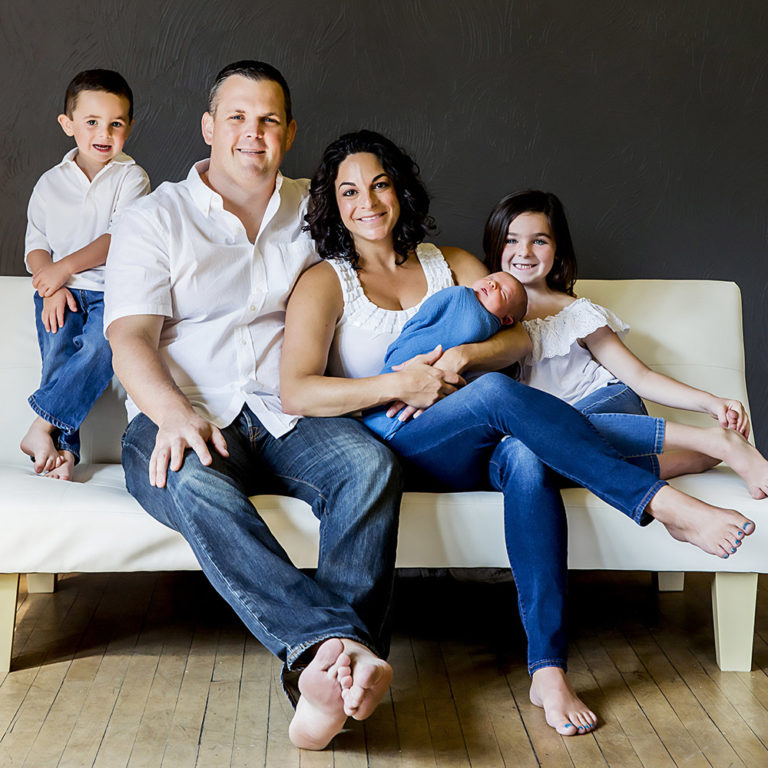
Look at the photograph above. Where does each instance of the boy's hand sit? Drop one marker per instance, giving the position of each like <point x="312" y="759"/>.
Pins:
<point x="48" y="279"/>
<point x="55" y="307"/>
<point x="731" y="414"/>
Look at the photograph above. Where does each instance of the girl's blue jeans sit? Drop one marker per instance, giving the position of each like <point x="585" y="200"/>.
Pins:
<point x="462" y="443"/>
<point x="76" y="368"/>
<point x="352" y="483"/>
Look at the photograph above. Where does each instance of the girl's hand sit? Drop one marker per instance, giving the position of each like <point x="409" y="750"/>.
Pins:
<point x="47" y="280"/>
<point x="54" y="309"/>
<point x="730" y="414"/>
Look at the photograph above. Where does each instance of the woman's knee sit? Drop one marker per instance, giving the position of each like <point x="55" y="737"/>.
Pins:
<point x="515" y="461"/>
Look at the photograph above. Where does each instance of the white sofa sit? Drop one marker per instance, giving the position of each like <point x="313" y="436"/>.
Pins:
<point x="689" y="329"/>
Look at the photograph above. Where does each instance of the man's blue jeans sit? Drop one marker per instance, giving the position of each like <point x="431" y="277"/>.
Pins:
<point x="76" y="368"/>
<point x="353" y="485"/>
<point x="462" y="443"/>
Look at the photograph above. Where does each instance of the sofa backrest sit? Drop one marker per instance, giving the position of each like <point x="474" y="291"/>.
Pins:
<point x="689" y="329"/>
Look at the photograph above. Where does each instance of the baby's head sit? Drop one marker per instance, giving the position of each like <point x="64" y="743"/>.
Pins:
<point x="98" y="114"/>
<point x="503" y="296"/>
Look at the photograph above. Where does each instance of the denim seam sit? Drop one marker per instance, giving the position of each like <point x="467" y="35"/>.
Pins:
<point x="614" y="396"/>
<point x="660" y="431"/>
<point x="58" y="423"/>
<point x="561" y="663"/>
<point x="641" y="517"/>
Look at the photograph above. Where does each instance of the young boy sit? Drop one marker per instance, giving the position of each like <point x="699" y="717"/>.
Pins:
<point x="72" y="208"/>
<point x="450" y="317"/>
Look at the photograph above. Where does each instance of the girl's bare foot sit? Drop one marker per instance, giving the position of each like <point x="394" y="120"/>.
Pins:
<point x="744" y="459"/>
<point x="320" y="710"/>
<point x="65" y="466"/>
<point x="38" y="444"/>
<point x="364" y="680"/>
<point x="676" y="463"/>
<point x="563" y="709"/>
<point x="713" y="529"/>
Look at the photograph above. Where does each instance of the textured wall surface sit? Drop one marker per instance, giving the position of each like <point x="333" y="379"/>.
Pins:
<point x="648" y="118"/>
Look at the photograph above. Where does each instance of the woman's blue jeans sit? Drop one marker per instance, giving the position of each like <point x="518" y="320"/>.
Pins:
<point x="76" y="368"/>
<point x="462" y="443"/>
<point x="353" y="485"/>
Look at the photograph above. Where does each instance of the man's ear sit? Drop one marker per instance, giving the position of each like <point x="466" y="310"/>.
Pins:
<point x="207" y="127"/>
<point x="290" y="135"/>
<point x="66" y="124"/>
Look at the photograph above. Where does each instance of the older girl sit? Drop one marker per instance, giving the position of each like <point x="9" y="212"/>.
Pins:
<point x="577" y="353"/>
<point x="369" y="217"/>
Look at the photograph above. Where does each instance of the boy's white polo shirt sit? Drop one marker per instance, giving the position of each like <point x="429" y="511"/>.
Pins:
<point x="179" y="254"/>
<point x="67" y="211"/>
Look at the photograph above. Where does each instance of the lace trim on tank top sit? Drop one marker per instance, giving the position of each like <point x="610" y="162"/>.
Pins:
<point x="360" y="311"/>
<point x="554" y="336"/>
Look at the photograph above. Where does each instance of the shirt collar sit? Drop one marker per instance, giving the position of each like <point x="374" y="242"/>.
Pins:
<point x="207" y="200"/>
<point x="121" y="159"/>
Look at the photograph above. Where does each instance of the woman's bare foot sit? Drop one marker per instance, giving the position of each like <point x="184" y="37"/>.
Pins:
<point x="563" y="709"/>
<point x="676" y="463"/>
<point x="38" y="444"/>
<point x="364" y="679"/>
<point x="715" y="530"/>
<point x="65" y="466"/>
<point x="320" y="710"/>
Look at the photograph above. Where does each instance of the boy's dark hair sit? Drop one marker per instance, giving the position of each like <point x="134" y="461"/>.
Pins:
<point x="563" y="274"/>
<point x="323" y="219"/>
<point x="97" y="80"/>
<point x="253" y="70"/>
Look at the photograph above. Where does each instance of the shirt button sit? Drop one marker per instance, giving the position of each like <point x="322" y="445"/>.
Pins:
<point x="253" y="307"/>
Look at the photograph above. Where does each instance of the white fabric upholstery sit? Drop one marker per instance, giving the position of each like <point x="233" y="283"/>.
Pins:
<point x="690" y="329"/>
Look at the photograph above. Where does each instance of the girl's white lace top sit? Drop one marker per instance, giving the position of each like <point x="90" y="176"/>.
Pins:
<point x="365" y="330"/>
<point x="558" y="364"/>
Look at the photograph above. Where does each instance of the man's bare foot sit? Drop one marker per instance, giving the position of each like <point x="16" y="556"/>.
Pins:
<point x="65" y="466"/>
<point x="320" y="710"/>
<point x="38" y="444"/>
<point x="744" y="459"/>
<point x="716" y="530"/>
<point x="364" y="680"/>
<point x="563" y="709"/>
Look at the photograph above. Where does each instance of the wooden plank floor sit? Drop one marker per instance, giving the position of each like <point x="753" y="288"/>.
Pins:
<point x="148" y="670"/>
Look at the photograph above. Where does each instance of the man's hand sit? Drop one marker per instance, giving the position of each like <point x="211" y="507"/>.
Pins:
<point x="48" y="279"/>
<point x="426" y="383"/>
<point x="177" y="434"/>
<point x="55" y="307"/>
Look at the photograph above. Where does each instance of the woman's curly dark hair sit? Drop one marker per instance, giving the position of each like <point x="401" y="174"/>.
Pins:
<point x="563" y="274"/>
<point x="323" y="219"/>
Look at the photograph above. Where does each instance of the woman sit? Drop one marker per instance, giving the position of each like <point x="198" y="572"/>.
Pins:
<point x="369" y="216"/>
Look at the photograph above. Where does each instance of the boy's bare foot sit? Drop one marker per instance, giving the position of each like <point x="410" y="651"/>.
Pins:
<point x="563" y="709"/>
<point x="364" y="679"/>
<point x="715" y="530"/>
<point x="65" y="466"/>
<point x="320" y="710"/>
<point x="744" y="459"/>
<point x="38" y="444"/>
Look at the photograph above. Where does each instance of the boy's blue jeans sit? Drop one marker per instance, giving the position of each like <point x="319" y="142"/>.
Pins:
<point x="76" y="368"/>
<point x="462" y="442"/>
<point x="351" y="481"/>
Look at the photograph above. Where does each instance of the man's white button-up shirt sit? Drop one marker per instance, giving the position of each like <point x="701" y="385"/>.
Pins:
<point x="67" y="211"/>
<point x="179" y="254"/>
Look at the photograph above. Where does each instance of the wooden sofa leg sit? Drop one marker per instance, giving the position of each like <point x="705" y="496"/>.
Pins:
<point x="671" y="581"/>
<point x="39" y="583"/>
<point x="9" y="592"/>
<point x="733" y="611"/>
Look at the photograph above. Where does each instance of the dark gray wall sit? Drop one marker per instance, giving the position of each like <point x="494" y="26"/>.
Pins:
<point x="649" y="118"/>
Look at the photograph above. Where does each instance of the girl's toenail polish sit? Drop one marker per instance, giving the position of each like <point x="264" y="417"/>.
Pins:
<point x="725" y="557"/>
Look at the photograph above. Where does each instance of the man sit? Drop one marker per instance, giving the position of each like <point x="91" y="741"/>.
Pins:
<point x="198" y="277"/>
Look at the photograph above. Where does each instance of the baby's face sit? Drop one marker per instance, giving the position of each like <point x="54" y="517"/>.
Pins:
<point x="503" y="296"/>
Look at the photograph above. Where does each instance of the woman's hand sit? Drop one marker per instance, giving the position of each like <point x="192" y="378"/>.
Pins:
<point x="730" y="414"/>
<point x="424" y="382"/>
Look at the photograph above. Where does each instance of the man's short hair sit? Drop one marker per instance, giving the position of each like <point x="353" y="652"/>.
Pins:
<point x="97" y="80"/>
<point x="253" y="70"/>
